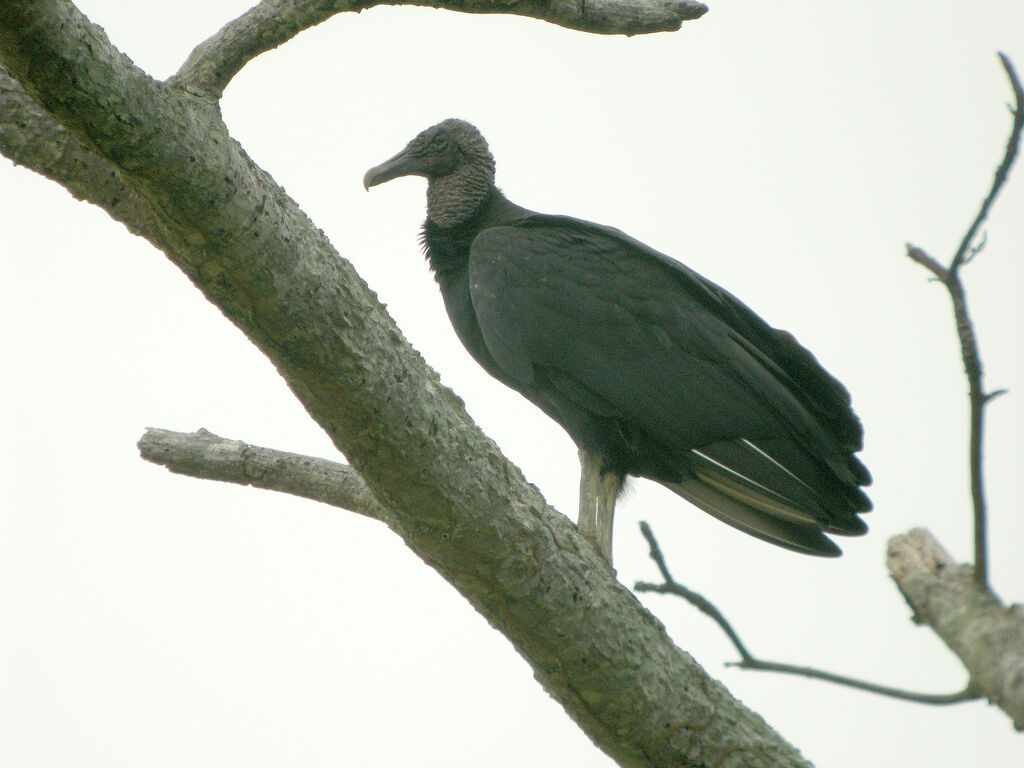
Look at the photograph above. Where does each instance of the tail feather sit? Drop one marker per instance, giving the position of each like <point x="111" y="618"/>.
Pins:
<point x="751" y="467"/>
<point x="781" y="468"/>
<point x="786" y="496"/>
<point x="834" y="479"/>
<point x="785" y="530"/>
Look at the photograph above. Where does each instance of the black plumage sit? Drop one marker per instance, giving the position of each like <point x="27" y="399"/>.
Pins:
<point x="651" y="369"/>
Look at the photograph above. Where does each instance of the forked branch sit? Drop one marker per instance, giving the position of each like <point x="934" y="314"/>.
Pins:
<point x="950" y="278"/>
<point x="747" y="660"/>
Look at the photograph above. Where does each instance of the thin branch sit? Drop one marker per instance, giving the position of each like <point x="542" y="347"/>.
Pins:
<point x="671" y="586"/>
<point x="749" y="661"/>
<point x="1003" y="171"/>
<point x="203" y="454"/>
<point x="950" y="277"/>
<point x="938" y="699"/>
<point x="927" y="261"/>
<point x="976" y="249"/>
<point x="213" y="63"/>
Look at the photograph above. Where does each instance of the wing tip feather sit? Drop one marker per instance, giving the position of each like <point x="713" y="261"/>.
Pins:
<point x="790" y="531"/>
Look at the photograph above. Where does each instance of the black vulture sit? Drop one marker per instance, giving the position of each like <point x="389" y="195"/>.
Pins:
<point x="653" y="370"/>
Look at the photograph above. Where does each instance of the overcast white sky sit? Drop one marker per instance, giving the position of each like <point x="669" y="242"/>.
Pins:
<point x="786" y="150"/>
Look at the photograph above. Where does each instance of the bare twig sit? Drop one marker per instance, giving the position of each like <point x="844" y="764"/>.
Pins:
<point x="671" y="586"/>
<point x="204" y="455"/>
<point x="213" y="63"/>
<point x="749" y="661"/>
<point x="950" y="277"/>
<point x="1003" y="171"/>
<point x="967" y="694"/>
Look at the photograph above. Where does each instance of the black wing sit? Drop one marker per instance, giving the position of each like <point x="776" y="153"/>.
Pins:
<point x="579" y="312"/>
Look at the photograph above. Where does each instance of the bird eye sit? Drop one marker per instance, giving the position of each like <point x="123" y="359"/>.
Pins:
<point x="439" y="142"/>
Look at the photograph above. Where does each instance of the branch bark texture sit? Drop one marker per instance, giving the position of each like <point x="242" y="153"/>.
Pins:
<point x="987" y="636"/>
<point x="204" y="455"/>
<point x="454" y="499"/>
<point x="272" y="22"/>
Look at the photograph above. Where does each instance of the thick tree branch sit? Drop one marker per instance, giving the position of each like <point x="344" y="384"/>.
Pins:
<point x="453" y="497"/>
<point x="214" y="62"/>
<point x="29" y="136"/>
<point x="204" y="455"/>
<point x="950" y="278"/>
<point x="670" y="586"/>
<point x="987" y="636"/>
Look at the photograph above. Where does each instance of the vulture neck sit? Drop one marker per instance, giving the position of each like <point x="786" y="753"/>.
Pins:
<point x="447" y="247"/>
<point x="455" y="198"/>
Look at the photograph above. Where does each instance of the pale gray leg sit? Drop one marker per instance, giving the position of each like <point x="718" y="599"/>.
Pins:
<point x="590" y="483"/>
<point x="608" y="492"/>
<point x="597" y="504"/>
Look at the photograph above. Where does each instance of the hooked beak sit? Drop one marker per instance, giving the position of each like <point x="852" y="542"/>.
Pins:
<point x="401" y="164"/>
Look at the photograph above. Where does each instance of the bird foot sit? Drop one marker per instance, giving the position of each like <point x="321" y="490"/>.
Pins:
<point x="606" y="555"/>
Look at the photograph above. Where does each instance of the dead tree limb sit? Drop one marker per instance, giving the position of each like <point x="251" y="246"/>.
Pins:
<point x="987" y="636"/>
<point x="204" y="455"/>
<point x="267" y="25"/>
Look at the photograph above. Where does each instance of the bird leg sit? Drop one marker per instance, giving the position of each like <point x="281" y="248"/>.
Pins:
<point x="590" y="481"/>
<point x="608" y="492"/>
<point x="598" y="491"/>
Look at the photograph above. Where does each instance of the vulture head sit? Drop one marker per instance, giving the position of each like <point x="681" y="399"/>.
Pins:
<point x="459" y="169"/>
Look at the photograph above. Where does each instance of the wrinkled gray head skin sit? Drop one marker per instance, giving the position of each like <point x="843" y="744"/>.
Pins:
<point x="459" y="169"/>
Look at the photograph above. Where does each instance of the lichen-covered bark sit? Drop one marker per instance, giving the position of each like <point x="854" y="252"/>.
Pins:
<point x="160" y="159"/>
<point x="986" y="635"/>
<point x="205" y="455"/>
<point x="271" y="22"/>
